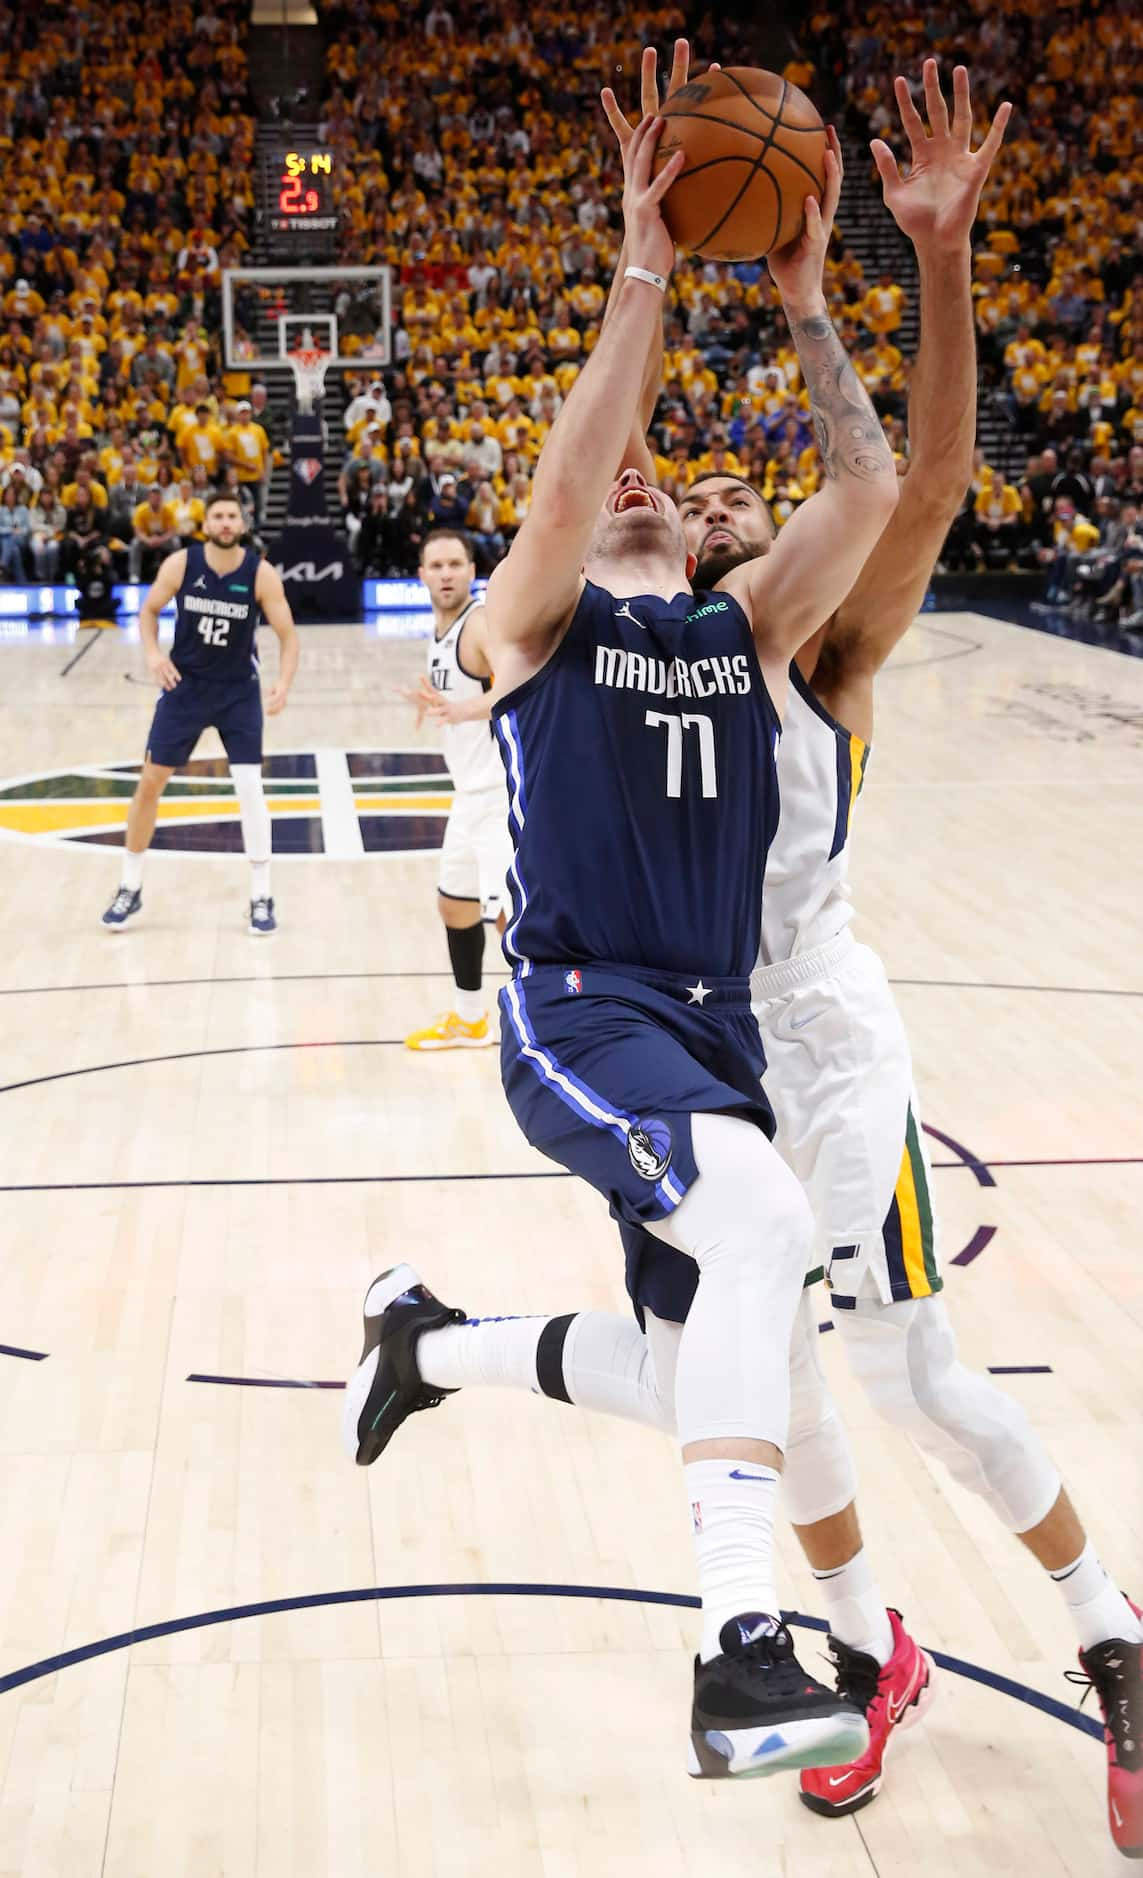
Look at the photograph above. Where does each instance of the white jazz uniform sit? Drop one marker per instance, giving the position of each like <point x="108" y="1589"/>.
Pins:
<point x="840" y="1081"/>
<point x="477" y="847"/>
<point x="839" y="1075"/>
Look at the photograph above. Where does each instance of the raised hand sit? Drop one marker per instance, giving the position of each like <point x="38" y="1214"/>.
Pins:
<point x="797" y="270"/>
<point x="935" y="204"/>
<point x="649" y="89"/>
<point x="647" y="243"/>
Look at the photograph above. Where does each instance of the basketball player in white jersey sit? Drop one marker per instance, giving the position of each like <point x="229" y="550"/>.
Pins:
<point x="839" y="1073"/>
<point x="477" y="850"/>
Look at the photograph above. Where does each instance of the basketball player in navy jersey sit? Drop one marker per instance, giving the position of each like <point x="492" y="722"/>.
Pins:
<point x="211" y="678"/>
<point x="456" y="692"/>
<point x="839" y="1074"/>
<point x="638" y="722"/>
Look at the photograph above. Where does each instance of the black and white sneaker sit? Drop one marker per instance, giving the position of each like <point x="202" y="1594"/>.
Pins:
<point x="756" y="1711"/>
<point x="262" y="917"/>
<point x="126" y="902"/>
<point x="386" y="1386"/>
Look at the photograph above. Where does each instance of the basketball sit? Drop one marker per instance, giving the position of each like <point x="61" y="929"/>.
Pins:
<point x="755" y="148"/>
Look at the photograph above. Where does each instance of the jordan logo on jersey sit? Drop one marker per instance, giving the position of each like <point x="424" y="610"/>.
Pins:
<point x="624" y="612"/>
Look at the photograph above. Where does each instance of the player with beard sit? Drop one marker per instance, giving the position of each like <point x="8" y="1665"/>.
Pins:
<point x="638" y="722"/>
<point x="839" y="1074"/>
<point x="219" y="588"/>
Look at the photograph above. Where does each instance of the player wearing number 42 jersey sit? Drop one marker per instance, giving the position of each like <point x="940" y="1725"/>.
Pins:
<point x="211" y="680"/>
<point x="638" y="722"/>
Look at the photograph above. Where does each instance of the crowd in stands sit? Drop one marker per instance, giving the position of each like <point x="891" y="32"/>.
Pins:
<point x="126" y="140"/>
<point x="474" y="160"/>
<point x="1057" y="279"/>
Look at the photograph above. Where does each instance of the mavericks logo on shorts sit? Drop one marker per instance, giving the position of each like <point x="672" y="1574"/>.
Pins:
<point x="649" y="1148"/>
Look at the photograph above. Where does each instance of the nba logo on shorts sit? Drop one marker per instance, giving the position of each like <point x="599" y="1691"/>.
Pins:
<point x="574" y="982"/>
<point x="649" y="1148"/>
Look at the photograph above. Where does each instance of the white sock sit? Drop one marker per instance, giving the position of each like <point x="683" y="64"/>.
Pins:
<point x="591" y="1359"/>
<point x="732" y="1523"/>
<point x="254" y="814"/>
<point x="132" y="874"/>
<point x="469" y="1005"/>
<point x="1097" y="1609"/>
<point x="856" y="1609"/>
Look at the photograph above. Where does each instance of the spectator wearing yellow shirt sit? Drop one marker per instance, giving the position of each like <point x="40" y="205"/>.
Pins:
<point x="85" y="483"/>
<point x="997" y="517"/>
<point x="188" y="512"/>
<point x="155" y="534"/>
<point x="202" y="442"/>
<point x="248" y="448"/>
<point x="880" y="311"/>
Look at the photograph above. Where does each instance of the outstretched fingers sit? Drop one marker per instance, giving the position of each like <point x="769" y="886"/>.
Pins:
<point x="962" y="108"/>
<point x="995" y="137"/>
<point x="935" y="100"/>
<point x="615" y="117"/>
<point x="680" y="69"/>
<point x="886" y="163"/>
<point x="911" y="121"/>
<point x="649" y="82"/>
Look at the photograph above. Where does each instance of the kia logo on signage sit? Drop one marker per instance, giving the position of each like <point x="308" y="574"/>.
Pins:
<point x="305" y="570"/>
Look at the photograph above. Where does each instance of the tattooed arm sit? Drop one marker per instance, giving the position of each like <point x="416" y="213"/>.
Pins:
<point x="790" y="592"/>
<point x="848" y="429"/>
<point x="820" y="552"/>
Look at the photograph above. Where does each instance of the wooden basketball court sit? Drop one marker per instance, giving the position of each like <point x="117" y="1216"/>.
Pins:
<point x="225" y="1651"/>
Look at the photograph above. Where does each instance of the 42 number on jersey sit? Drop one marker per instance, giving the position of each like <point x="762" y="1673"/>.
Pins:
<point x="216" y="632"/>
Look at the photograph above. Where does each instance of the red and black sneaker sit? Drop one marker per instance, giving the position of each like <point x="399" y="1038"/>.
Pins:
<point x="1115" y="1671"/>
<point x="890" y="1698"/>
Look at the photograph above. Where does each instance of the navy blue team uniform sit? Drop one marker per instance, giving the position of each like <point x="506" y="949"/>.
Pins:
<point x="213" y="652"/>
<point x="643" y="798"/>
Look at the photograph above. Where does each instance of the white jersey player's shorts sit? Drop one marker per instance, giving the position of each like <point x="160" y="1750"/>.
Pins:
<point x="840" y="1081"/>
<point x="477" y="850"/>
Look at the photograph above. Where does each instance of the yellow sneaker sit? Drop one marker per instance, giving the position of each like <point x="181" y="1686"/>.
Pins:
<point x="450" y="1032"/>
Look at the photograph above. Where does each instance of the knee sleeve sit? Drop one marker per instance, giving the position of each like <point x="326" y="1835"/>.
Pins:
<point x="252" y="810"/>
<point x="819" y="1478"/>
<point x="905" y="1357"/>
<point x="747" y="1225"/>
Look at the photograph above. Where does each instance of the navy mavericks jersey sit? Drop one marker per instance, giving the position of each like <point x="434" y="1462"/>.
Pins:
<point x="642" y="789"/>
<point x="217" y="615"/>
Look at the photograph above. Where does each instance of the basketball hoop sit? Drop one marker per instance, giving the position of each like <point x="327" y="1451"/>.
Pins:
<point x="309" y="365"/>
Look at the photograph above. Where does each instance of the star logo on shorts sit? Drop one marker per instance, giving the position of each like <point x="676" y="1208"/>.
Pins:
<point x="698" y="994"/>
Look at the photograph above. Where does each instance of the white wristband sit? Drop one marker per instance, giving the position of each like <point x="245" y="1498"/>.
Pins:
<point x="643" y="273"/>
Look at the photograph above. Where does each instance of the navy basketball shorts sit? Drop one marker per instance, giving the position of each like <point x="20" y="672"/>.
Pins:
<point x="233" y="708"/>
<point x="604" y="1066"/>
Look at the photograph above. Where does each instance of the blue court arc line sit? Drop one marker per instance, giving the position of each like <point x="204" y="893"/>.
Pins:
<point x="188" y="1056"/>
<point x="979" y="1167"/>
<point x="29" y="1356"/>
<point x="614" y="1594"/>
<point x="981" y="1239"/>
<point x="1020" y="1369"/>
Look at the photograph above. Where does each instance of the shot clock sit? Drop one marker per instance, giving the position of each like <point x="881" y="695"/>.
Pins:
<point x="298" y="187"/>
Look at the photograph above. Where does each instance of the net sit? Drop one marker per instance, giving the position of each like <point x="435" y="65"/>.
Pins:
<point x="309" y="365"/>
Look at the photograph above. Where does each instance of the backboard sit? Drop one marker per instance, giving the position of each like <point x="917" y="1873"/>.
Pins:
<point x="266" y="309"/>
